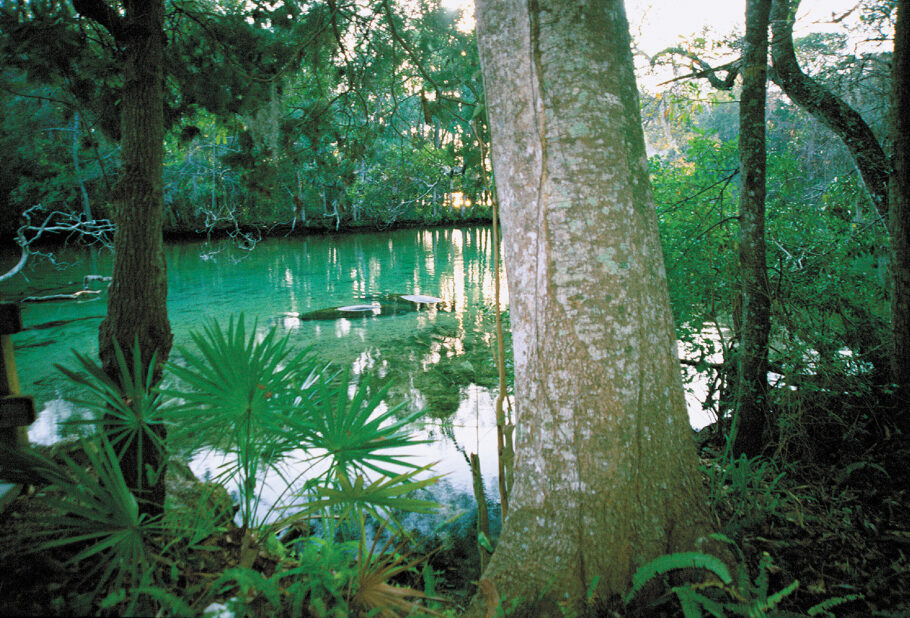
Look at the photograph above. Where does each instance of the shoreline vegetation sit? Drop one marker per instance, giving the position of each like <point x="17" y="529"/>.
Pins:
<point x="825" y="538"/>
<point x="285" y="230"/>
<point x="263" y="231"/>
<point x="299" y="119"/>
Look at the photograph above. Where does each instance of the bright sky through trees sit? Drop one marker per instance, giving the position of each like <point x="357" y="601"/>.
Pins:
<point x="657" y="24"/>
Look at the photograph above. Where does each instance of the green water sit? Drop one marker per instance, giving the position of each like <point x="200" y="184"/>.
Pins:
<point x="439" y="357"/>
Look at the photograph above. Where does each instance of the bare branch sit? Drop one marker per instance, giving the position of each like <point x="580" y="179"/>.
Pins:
<point x="836" y="19"/>
<point x="74" y="296"/>
<point x="18" y="267"/>
<point x="93" y="231"/>
<point x="705" y="70"/>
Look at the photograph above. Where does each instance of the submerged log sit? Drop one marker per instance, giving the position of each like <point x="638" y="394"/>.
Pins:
<point x="61" y="323"/>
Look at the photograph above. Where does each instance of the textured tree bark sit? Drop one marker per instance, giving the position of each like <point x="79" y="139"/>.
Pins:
<point x="752" y="385"/>
<point x="829" y="109"/>
<point x="899" y="213"/>
<point x="605" y="472"/>
<point x="137" y="310"/>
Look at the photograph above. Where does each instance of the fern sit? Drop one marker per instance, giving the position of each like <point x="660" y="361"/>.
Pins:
<point x="822" y="609"/>
<point x="693" y="602"/>
<point x="672" y="562"/>
<point x="775" y="599"/>
<point x="722" y="598"/>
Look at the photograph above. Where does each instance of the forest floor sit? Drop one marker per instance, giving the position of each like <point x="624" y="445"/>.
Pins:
<point x="828" y="510"/>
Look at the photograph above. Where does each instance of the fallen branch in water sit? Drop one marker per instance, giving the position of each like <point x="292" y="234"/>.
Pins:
<point x="52" y="297"/>
<point x="92" y="231"/>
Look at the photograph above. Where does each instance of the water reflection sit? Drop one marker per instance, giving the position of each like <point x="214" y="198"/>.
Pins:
<point x="438" y="357"/>
<point x="471" y="428"/>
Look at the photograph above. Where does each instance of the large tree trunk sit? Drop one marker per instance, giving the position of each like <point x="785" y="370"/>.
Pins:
<point x="899" y="213"/>
<point x="606" y="475"/>
<point x="752" y="387"/>
<point x="136" y="305"/>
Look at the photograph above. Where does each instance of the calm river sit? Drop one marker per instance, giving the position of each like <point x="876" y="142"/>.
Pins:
<point x="439" y="357"/>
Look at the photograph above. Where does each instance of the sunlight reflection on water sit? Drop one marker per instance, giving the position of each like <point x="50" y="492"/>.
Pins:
<point x="438" y="356"/>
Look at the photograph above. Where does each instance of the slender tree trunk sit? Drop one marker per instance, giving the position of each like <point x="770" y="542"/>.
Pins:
<point x="505" y="429"/>
<point x="752" y="388"/>
<point x="605" y="473"/>
<point x="86" y="203"/>
<point x="137" y="308"/>
<point x="886" y="184"/>
<point x="826" y="107"/>
<point x="899" y="213"/>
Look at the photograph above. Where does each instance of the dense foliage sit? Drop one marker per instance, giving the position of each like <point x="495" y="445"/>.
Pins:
<point x="287" y="116"/>
<point x="826" y="246"/>
<point x="314" y="116"/>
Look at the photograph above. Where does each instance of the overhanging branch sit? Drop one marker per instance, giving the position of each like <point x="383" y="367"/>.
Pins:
<point x="828" y="108"/>
<point x="102" y="13"/>
<point x="705" y="70"/>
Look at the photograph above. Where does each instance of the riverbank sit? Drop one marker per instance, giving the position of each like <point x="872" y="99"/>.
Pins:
<point x="261" y="231"/>
<point x="316" y="227"/>
<point x="821" y="528"/>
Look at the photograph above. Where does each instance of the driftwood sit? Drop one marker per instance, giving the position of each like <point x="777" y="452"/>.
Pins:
<point x="78" y="295"/>
<point x="57" y="222"/>
<point x="74" y="296"/>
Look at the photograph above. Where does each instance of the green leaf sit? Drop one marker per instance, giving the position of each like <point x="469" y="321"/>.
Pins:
<point x="385" y="493"/>
<point x="484" y="542"/>
<point x="352" y="431"/>
<point x="823" y="608"/>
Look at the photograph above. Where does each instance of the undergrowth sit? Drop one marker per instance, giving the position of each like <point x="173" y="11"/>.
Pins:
<point x="816" y="526"/>
<point x="819" y="525"/>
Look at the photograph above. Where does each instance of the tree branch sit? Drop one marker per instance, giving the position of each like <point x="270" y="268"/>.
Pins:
<point x="828" y="108"/>
<point x="705" y="70"/>
<point x="101" y="12"/>
<point x="814" y="98"/>
<point x="397" y="36"/>
<point x="56" y="222"/>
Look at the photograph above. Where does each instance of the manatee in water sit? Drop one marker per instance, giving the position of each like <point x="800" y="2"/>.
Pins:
<point x="378" y="306"/>
<point x="420" y="299"/>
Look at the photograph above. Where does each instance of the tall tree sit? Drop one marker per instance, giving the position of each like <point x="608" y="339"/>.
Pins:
<point x="137" y="310"/>
<point x="752" y="387"/>
<point x="884" y="180"/>
<point x="899" y="212"/>
<point x="605" y="472"/>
